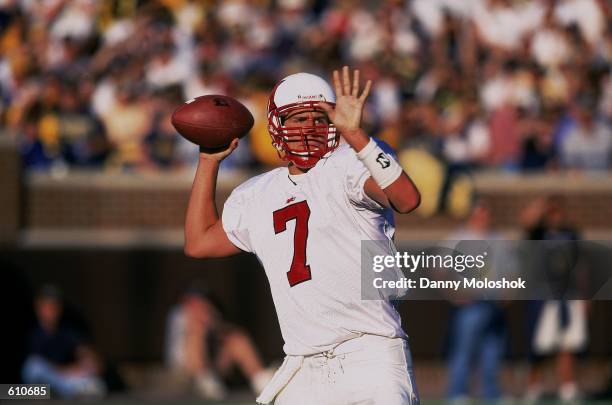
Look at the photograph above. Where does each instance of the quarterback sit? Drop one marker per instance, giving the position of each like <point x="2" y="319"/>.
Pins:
<point x="305" y="223"/>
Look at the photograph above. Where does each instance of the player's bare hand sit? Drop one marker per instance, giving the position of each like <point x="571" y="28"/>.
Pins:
<point x="346" y="115"/>
<point x="219" y="154"/>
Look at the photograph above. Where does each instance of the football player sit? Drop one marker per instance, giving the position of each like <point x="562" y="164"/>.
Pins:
<point x="305" y="222"/>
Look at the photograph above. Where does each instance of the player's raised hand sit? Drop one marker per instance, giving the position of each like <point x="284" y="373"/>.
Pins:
<point x="220" y="153"/>
<point x="346" y="115"/>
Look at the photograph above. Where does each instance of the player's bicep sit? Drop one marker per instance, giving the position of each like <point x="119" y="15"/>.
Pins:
<point x="221" y="241"/>
<point x="213" y="243"/>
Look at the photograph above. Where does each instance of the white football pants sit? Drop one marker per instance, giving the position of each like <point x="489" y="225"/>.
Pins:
<point x="368" y="370"/>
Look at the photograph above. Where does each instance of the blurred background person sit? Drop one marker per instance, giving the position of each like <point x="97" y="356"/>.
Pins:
<point x="586" y="143"/>
<point x="477" y="340"/>
<point x="204" y="348"/>
<point x="557" y="329"/>
<point x="59" y="353"/>
<point x="127" y="123"/>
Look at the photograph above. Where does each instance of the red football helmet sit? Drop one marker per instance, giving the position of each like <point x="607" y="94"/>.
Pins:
<point x="304" y="146"/>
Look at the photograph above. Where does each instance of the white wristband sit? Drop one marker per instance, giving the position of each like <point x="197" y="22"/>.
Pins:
<point x="383" y="168"/>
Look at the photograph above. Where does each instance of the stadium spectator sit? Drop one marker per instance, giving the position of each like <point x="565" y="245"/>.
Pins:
<point x="466" y="140"/>
<point x="166" y="69"/>
<point x="537" y="146"/>
<point x="503" y="24"/>
<point x="587" y="145"/>
<point x="550" y="45"/>
<point x="79" y="131"/>
<point x="161" y="143"/>
<point x="127" y="123"/>
<point x="556" y="328"/>
<point x="478" y="328"/>
<point x="505" y="141"/>
<point x="204" y="347"/>
<point x="59" y="354"/>
<point x="587" y="15"/>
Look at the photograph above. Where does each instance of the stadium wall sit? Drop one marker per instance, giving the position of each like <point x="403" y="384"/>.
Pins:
<point x="158" y="201"/>
<point x="10" y="192"/>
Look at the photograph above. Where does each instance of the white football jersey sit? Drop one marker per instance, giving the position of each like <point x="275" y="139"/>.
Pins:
<point x="306" y="230"/>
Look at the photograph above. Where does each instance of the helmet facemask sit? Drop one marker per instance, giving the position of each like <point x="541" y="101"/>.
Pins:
<point x="304" y="146"/>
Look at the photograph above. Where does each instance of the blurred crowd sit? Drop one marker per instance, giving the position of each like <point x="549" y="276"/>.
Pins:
<point x="502" y="84"/>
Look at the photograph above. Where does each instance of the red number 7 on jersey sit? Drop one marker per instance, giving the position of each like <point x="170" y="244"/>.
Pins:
<point x="299" y="271"/>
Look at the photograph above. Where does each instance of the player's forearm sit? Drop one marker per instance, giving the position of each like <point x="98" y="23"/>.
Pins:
<point x="356" y="138"/>
<point x="201" y="210"/>
<point x="403" y="195"/>
<point x="390" y="185"/>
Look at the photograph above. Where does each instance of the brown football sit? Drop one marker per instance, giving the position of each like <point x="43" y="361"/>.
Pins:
<point x="212" y="121"/>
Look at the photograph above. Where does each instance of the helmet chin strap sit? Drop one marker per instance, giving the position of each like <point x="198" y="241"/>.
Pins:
<point x="296" y="163"/>
<point x="292" y="164"/>
<point x="284" y="155"/>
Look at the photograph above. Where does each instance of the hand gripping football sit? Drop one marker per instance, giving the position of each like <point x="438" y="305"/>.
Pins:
<point x="212" y="121"/>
